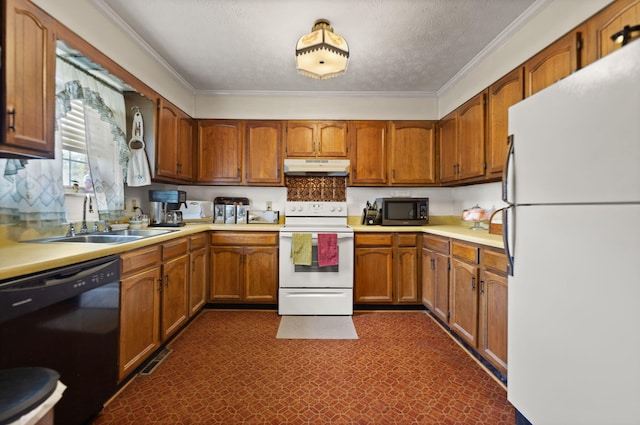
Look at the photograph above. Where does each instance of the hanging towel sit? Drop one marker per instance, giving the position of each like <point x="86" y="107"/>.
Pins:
<point x="327" y="249"/>
<point x="138" y="173"/>
<point x="301" y="249"/>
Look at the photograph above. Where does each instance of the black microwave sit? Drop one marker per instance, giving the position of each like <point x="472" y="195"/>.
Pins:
<point x="403" y="211"/>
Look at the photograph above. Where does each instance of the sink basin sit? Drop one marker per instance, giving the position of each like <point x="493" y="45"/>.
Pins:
<point x="116" y="236"/>
<point x="90" y="238"/>
<point x="145" y="233"/>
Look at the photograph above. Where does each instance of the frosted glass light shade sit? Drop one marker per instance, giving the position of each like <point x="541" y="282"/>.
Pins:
<point x="322" y="54"/>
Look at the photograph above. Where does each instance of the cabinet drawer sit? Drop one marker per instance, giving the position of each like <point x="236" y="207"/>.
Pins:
<point x="244" y="238"/>
<point x="436" y="243"/>
<point x="175" y="248"/>
<point x="140" y="259"/>
<point x="465" y="252"/>
<point x="407" y="239"/>
<point x="198" y="241"/>
<point x="494" y="260"/>
<point x="374" y="239"/>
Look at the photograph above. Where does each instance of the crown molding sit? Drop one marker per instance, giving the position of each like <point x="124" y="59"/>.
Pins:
<point x="268" y="93"/>
<point x="113" y="16"/>
<point x="496" y="43"/>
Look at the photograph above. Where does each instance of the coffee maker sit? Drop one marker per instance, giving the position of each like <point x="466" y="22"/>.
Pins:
<point x="165" y="206"/>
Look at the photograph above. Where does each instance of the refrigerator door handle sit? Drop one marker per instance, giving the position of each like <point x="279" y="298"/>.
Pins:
<point x="506" y="174"/>
<point x="506" y="237"/>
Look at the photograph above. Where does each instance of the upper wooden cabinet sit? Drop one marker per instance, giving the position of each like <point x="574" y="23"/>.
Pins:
<point x="462" y="141"/>
<point x="174" y="146"/>
<point x="608" y="22"/>
<point x="263" y="153"/>
<point x="502" y="94"/>
<point x="555" y="62"/>
<point x="368" y="147"/>
<point x="29" y="80"/>
<point x="219" y="151"/>
<point x="412" y="153"/>
<point x="308" y="139"/>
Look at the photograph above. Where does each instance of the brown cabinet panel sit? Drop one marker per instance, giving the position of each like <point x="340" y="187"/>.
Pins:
<point x="244" y="238"/>
<point x="471" y="138"/>
<point x="374" y="239"/>
<point x="263" y="153"/>
<point x="175" y="290"/>
<point x="406" y="275"/>
<point x="219" y="151"/>
<point x="448" y="146"/>
<point x="175" y="248"/>
<point x="412" y="152"/>
<point x="555" y="62"/>
<point x="368" y="147"/>
<point x="198" y="280"/>
<point x="374" y="275"/>
<point x="608" y="22"/>
<point x="492" y="333"/>
<point x="464" y="300"/>
<point x="436" y="243"/>
<point x="29" y="52"/>
<point x="260" y="281"/>
<point x="140" y="259"/>
<point x="185" y="149"/>
<point x="504" y="93"/>
<point x="316" y="139"/>
<point x="174" y="146"/>
<point x="244" y="267"/>
<point x="227" y="273"/>
<point x="332" y="139"/>
<point x="139" y="318"/>
<point x="466" y="252"/>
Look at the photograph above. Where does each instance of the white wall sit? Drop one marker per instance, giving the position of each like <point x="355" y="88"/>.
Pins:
<point x="328" y="106"/>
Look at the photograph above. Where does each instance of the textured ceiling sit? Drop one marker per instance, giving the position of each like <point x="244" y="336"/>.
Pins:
<point x="249" y="45"/>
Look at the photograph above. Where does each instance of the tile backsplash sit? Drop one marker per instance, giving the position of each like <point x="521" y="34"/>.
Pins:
<point x="316" y="188"/>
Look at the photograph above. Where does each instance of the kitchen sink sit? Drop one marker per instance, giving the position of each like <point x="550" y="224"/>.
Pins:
<point x="116" y="236"/>
<point x="145" y="233"/>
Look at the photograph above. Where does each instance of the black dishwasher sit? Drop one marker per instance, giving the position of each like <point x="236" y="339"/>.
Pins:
<point x="66" y="319"/>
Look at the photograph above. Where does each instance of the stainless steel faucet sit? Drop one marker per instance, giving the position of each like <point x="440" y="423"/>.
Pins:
<point x="84" y="228"/>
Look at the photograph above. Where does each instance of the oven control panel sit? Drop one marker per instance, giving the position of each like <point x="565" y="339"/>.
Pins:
<point x="316" y="209"/>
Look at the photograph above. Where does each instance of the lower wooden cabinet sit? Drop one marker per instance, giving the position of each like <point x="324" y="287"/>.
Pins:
<point x="154" y="285"/>
<point x="386" y="269"/>
<point x="493" y="314"/>
<point x="244" y="267"/>
<point x="465" y="286"/>
<point x="175" y="286"/>
<point x="198" y="258"/>
<point x="140" y="292"/>
<point x="435" y="275"/>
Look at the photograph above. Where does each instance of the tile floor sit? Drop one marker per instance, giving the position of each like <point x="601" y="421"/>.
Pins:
<point x="227" y="367"/>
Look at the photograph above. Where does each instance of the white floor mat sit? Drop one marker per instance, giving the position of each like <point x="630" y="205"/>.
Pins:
<point x="316" y="327"/>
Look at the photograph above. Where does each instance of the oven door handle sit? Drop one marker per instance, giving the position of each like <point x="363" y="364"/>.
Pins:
<point x="315" y="235"/>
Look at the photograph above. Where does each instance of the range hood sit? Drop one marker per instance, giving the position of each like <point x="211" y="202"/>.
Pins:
<point x="316" y="167"/>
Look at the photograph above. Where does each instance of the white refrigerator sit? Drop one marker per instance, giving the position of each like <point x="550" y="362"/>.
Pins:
<point x="572" y="234"/>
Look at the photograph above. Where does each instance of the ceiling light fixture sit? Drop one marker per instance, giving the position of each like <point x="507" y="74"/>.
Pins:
<point x="623" y="36"/>
<point x="322" y="54"/>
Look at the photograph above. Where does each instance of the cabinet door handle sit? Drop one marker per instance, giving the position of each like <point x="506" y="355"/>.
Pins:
<point x="473" y="283"/>
<point x="481" y="286"/>
<point x="159" y="285"/>
<point x="12" y="120"/>
<point x="166" y="279"/>
<point x="433" y="264"/>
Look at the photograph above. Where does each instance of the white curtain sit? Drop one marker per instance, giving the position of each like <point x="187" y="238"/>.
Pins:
<point x="105" y="123"/>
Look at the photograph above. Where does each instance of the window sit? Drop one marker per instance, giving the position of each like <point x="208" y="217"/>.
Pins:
<point x="75" y="166"/>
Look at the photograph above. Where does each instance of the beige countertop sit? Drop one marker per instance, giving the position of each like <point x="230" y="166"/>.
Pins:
<point x="21" y="258"/>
